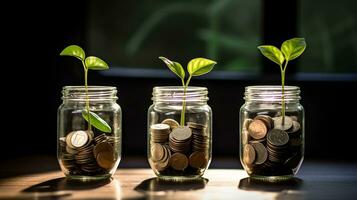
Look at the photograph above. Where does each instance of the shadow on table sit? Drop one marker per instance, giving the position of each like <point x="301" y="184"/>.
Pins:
<point x="255" y="185"/>
<point x="60" y="184"/>
<point x="155" y="185"/>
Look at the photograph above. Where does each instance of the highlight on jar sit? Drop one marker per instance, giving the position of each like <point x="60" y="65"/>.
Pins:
<point x="180" y="125"/>
<point x="88" y="125"/>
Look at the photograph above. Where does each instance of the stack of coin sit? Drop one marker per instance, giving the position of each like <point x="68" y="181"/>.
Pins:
<point x="160" y="133"/>
<point x="200" y="140"/>
<point x="271" y="147"/>
<point x="277" y="145"/>
<point x="84" y="154"/>
<point x="160" y="155"/>
<point x="179" y="150"/>
<point x="180" y="139"/>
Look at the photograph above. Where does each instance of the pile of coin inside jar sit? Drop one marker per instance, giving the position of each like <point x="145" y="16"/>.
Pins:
<point x="83" y="153"/>
<point x="270" y="147"/>
<point x="179" y="150"/>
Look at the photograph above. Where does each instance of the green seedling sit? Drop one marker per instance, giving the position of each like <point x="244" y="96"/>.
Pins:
<point x="290" y="49"/>
<point x="196" y="67"/>
<point x="93" y="63"/>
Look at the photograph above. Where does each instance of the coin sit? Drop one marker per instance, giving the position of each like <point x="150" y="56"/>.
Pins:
<point x="79" y="139"/>
<point x="198" y="160"/>
<point x="178" y="161"/>
<point x="103" y="146"/>
<point x="245" y="136"/>
<point x="195" y="125"/>
<point x="105" y="159"/>
<point x="181" y="133"/>
<point x="248" y="154"/>
<point x="295" y="128"/>
<point x="68" y="139"/>
<point x="100" y="138"/>
<point x="171" y="122"/>
<point x="278" y="137"/>
<point x="261" y="153"/>
<point x="165" y="161"/>
<point x="157" y="152"/>
<point x="257" y="129"/>
<point x="268" y="121"/>
<point x="160" y="133"/>
<point x="160" y="128"/>
<point x="246" y="123"/>
<point x="71" y="150"/>
<point x="278" y="123"/>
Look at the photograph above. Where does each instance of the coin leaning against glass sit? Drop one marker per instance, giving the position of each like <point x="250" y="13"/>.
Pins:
<point x="257" y="129"/>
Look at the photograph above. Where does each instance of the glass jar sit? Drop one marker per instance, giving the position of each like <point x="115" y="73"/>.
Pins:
<point x="179" y="147"/>
<point x="271" y="146"/>
<point x="86" y="153"/>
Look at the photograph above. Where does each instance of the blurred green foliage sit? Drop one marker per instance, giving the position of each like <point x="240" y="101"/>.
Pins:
<point x="134" y="33"/>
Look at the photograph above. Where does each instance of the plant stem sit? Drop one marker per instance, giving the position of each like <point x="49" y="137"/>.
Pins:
<point x="283" y="92"/>
<point x="183" y="111"/>
<point x="86" y="91"/>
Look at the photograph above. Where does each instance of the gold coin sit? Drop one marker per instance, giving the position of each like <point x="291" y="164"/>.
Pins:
<point x="171" y="122"/>
<point x="198" y="160"/>
<point x="257" y="129"/>
<point x="248" y="154"/>
<point x="179" y="161"/>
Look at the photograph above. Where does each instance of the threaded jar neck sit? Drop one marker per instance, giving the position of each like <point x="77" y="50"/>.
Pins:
<point x="176" y="94"/>
<point x="271" y="93"/>
<point x="95" y="93"/>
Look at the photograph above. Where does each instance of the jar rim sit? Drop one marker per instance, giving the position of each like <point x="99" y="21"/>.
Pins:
<point x="95" y="93"/>
<point x="90" y="87"/>
<point x="272" y="93"/>
<point x="177" y="94"/>
<point x="180" y="88"/>
<point x="272" y="87"/>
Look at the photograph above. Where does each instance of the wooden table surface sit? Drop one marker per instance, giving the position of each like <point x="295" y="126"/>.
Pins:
<point x="315" y="181"/>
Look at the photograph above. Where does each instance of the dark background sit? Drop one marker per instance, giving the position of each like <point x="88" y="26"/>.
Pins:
<point x="33" y="75"/>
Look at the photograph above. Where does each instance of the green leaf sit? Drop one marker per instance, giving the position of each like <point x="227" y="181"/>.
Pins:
<point x="75" y="51"/>
<point x="293" y="48"/>
<point x="200" y="66"/>
<point x="96" y="121"/>
<point x="174" y="67"/>
<point x="95" y="63"/>
<point x="272" y="53"/>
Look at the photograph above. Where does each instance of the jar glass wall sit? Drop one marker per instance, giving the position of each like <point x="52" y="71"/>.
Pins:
<point x="271" y="146"/>
<point x="86" y="153"/>
<point x="179" y="149"/>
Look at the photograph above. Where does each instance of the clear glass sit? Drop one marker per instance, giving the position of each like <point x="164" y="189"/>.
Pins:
<point x="178" y="152"/>
<point x="271" y="150"/>
<point x="82" y="154"/>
